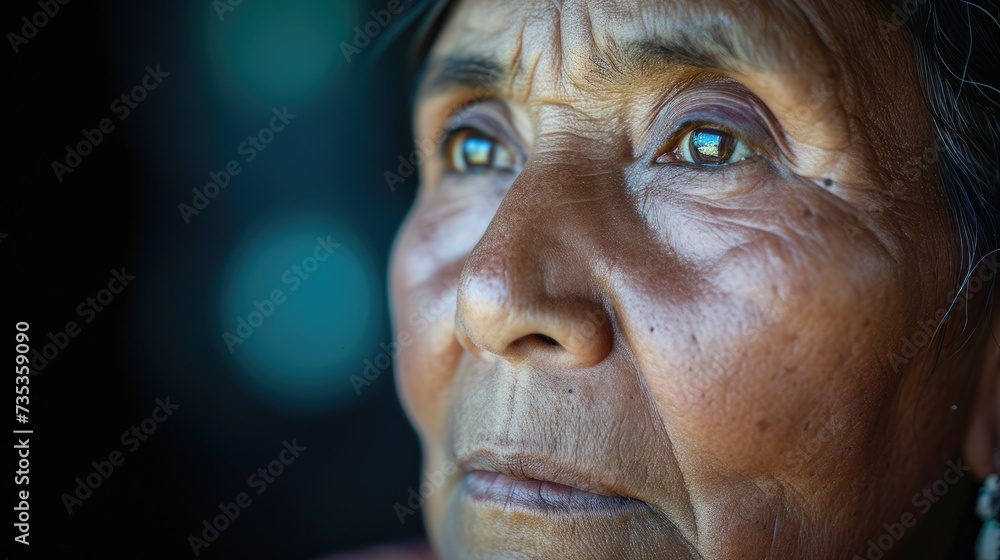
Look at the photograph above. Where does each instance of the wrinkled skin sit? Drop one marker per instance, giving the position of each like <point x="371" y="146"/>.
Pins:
<point x="719" y="344"/>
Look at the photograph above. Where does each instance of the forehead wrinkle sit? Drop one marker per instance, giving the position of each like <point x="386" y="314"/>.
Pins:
<point x="519" y="47"/>
<point x="577" y="37"/>
<point x="551" y="22"/>
<point x="516" y="65"/>
<point x="543" y="36"/>
<point x="569" y="64"/>
<point x="642" y="42"/>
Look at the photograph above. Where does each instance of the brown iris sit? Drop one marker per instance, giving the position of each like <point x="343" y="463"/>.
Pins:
<point x="709" y="146"/>
<point x="469" y="151"/>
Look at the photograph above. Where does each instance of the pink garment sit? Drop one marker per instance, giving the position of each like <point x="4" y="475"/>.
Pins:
<point x="417" y="550"/>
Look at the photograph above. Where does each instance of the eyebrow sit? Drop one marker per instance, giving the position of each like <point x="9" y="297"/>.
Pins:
<point x="711" y="46"/>
<point x="471" y="72"/>
<point x="716" y="52"/>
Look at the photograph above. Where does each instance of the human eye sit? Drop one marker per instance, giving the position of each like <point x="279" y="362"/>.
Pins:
<point x="707" y="145"/>
<point x="467" y="150"/>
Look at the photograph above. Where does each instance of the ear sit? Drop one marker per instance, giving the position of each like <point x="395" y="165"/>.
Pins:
<point x="983" y="434"/>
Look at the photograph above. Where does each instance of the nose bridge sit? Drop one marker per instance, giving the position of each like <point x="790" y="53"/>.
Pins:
<point x="532" y="286"/>
<point x="563" y="201"/>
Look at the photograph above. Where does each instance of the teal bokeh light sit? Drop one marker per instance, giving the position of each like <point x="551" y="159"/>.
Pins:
<point x="277" y="51"/>
<point x="305" y="352"/>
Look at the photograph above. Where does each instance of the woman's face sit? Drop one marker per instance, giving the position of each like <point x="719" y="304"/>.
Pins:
<point x="665" y="289"/>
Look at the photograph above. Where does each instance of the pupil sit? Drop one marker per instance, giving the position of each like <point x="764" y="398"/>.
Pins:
<point x="477" y="150"/>
<point x="711" y="146"/>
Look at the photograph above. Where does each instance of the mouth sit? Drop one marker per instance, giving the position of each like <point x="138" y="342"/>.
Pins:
<point x="525" y="483"/>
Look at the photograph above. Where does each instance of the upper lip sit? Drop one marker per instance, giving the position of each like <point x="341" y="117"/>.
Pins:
<point x="527" y="466"/>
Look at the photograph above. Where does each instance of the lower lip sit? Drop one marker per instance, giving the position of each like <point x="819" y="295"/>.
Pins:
<point x="540" y="495"/>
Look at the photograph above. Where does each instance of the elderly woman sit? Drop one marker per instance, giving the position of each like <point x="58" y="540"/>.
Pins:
<point x="704" y="279"/>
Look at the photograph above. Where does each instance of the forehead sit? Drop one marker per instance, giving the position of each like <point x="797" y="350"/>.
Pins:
<point x="579" y="43"/>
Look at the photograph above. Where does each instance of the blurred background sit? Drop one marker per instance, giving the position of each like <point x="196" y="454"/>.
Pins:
<point x="230" y="156"/>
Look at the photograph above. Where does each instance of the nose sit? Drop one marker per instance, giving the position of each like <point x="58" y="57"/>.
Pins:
<point x="530" y="289"/>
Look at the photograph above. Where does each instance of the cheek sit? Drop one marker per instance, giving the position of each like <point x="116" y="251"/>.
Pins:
<point x="423" y="309"/>
<point x="782" y="359"/>
<point x="426" y="263"/>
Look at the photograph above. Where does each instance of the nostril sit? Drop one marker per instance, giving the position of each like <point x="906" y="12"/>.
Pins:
<point x="547" y="339"/>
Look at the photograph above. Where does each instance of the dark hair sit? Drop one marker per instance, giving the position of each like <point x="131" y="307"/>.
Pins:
<point x="956" y="50"/>
<point x="415" y="33"/>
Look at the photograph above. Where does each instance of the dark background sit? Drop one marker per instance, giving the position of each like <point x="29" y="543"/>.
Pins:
<point x="162" y="336"/>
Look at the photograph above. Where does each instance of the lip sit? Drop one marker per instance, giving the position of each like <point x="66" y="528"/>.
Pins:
<point x="525" y="482"/>
<point x="539" y="495"/>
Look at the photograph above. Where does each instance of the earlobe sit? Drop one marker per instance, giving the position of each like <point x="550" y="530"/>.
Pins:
<point x="982" y="438"/>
